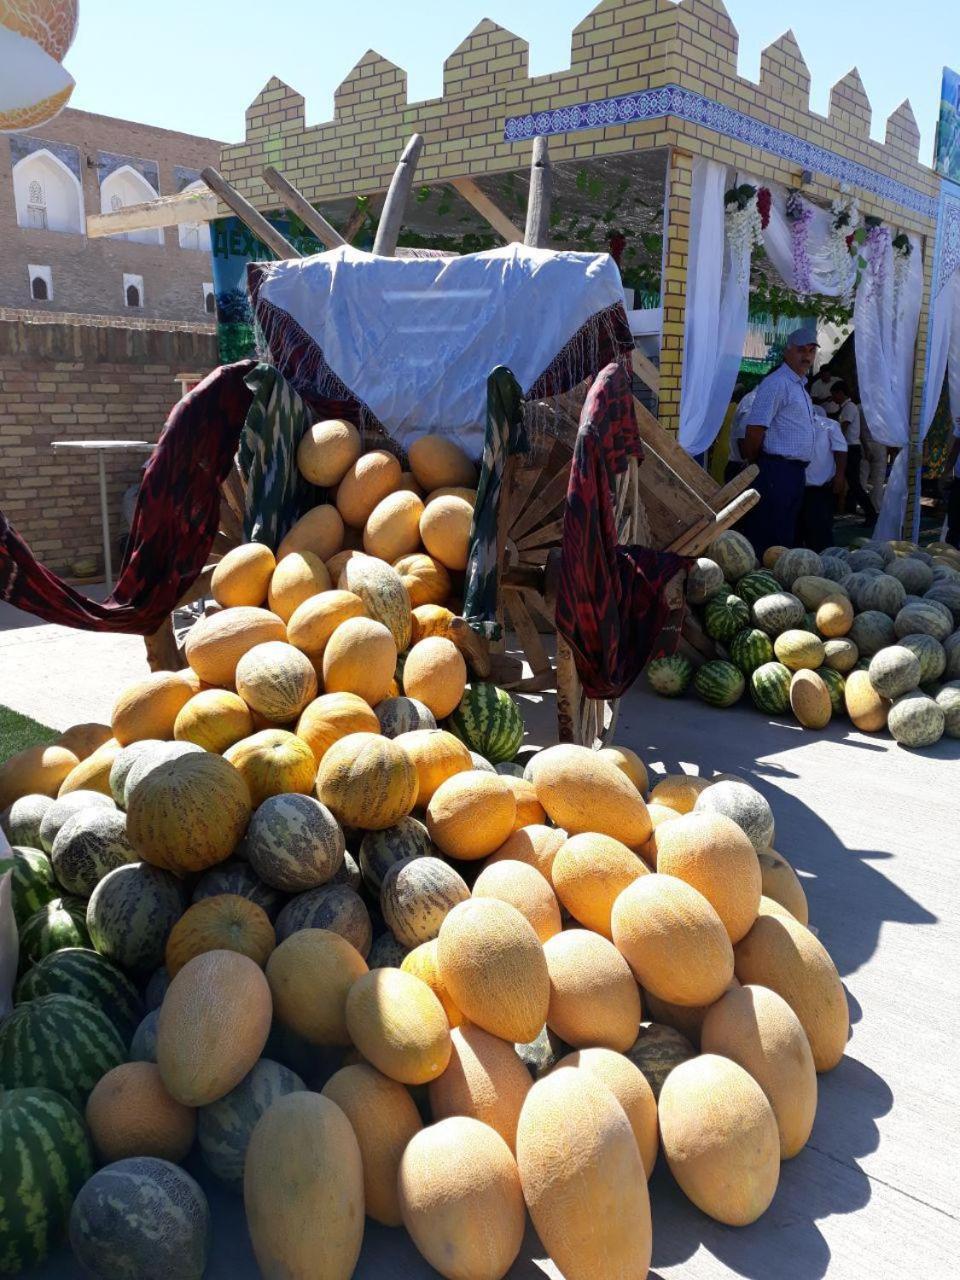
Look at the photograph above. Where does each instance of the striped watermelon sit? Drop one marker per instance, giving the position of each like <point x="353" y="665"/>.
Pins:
<point x="78" y="971"/>
<point x="241" y="879"/>
<point x="143" y="1044"/>
<point x="65" y="807"/>
<point x="947" y="594"/>
<point x="835" y="687"/>
<point x="335" y="907"/>
<point x="131" y="913"/>
<point x="402" y="715"/>
<point x="929" y="617"/>
<point x="33" y="883"/>
<point x="87" y="846"/>
<point x="671" y="676"/>
<point x="718" y="683"/>
<point x="929" y="652"/>
<point x="833" y="567"/>
<point x="23" y="818"/>
<point x="45" y="1158"/>
<point x="143" y="1218"/>
<point x="224" y="1127"/>
<point x="770" y="688"/>
<point x="60" y="923"/>
<point x="734" y="554"/>
<point x="489" y="721"/>
<point x="379" y="850"/>
<point x="58" y="1042"/>
<point x="724" y="616"/>
<point x="294" y="843"/>
<point x="752" y="586"/>
<point x="884" y="593"/>
<point x="778" y="612"/>
<point x="750" y="649"/>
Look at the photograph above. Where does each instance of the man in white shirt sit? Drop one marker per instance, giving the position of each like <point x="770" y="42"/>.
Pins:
<point x="738" y="429"/>
<point x="952" y="470"/>
<point x="824" y="484"/>
<point x="849" y="419"/>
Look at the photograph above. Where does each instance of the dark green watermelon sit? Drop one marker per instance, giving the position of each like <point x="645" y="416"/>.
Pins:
<point x="58" y="1042"/>
<point x="488" y="720"/>
<point x="78" y="971"/>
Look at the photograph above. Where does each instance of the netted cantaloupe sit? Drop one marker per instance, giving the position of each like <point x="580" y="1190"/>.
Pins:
<point x="537" y="845"/>
<point x="673" y="940"/>
<point x="435" y="674"/>
<point x="628" y="762"/>
<point x="438" y="462"/>
<point x="222" y="922"/>
<point x="453" y="491"/>
<point x="445" y="530"/>
<point x="865" y="706"/>
<point x="756" y="1028"/>
<point x="834" y="616"/>
<point x="272" y="763"/>
<point x="436" y="755"/>
<point x="430" y="620"/>
<point x="780" y="882"/>
<point x="360" y="658"/>
<point x="130" y="1113"/>
<point x="422" y="962"/>
<point x="659" y="813"/>
<point x="276" y="680"/>
<point x="333" y="716"/>
<point x="398" y="1024"/>
<point x="461" y="1199"/>
<point x="392" y="529"/>
<point x="298" y="576"/>
<point x="711" y="853"/>
<point x="367" y="781"/>
<point x="471" y="814"/>
<point x="310" y="975"/>
<point x="84" y="739"/>
<point x="524" y="888"/>
<point x="629" y="1086"/>
<point x="594" y="999"/>
<point x="214" y="1022"/>
<point x="320" y="532"/>
<point x="427" y="581"/>
<point x="810" y="699"/>
<point x="582" y="792"/>
<point x="583" y="1178"/>
<point x="214" y="645"/>
<point x="365" y="484"/>
<point x="149" y="708"/>
<point x="303" y="1189"/>
<point x="314" y="621"/>
<point x="590" y="871"/>
<point x="780" y="953"/>
<point x="213" y="719"/>
<point x="242" y="577"/>
<point x="492" y="963"/>
<point x="530" y="812"/>
<point x="417" y="895"/>
<point x="384" y="1119"/>
<point x="720" y="1138"/>
<point x="326" y="450"/>
<point x="91" y="774"/>
<point x="485" y="1079"/>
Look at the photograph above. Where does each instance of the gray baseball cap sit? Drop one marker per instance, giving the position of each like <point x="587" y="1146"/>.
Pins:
<point x="805" y="336"/>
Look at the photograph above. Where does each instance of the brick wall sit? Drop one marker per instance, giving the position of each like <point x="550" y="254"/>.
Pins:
<point x="61" y="380"/>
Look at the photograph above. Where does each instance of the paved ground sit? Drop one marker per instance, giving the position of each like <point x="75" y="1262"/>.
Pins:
<point x="873" y="830"/>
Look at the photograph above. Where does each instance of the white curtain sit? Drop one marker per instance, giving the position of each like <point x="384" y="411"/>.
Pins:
<point x="716" y="313"/>
<point x="778" y="243"/>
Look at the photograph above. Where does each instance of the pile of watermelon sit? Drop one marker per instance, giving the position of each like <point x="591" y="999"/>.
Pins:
<point x="871" y="631"/>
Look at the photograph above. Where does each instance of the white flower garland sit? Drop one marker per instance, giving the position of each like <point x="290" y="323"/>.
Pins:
<point x="845" y="211"/>
<point x="744" y="233"/>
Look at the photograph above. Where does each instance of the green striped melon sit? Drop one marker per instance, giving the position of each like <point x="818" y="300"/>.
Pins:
<point x="58" y="1042"/>
<point x="948" y="700"/>
<point x="333" y="906"/>
<point x="417" y="896"/>
<point x="143" y="1044"/>
<point x="894" y="670"/>
<point x="865" y="558"/>
<point x="872" y="631"/>
<point x="65" y="807"/>
<point x="488" y="720"/>
<point x="751" y="648"/>
<point x="141" y="1218"/>
<point x="379" y="850"/>
<point x="657" y="1050"/>
<point x="403" y="715"/>
<point x="60" y="923"/>
<point x="78" y="971"/>
<point x="753" y="586"/>
<point x="32" y="883"/>
<point x="23" y="818"/>
<point x="811" y="591"/>
<point x="834" y="568"/>
<point x="88" y="845"/>
<point x="929" y="617"/>
<point x="349" y="873"/>
<point x="124" y="761"/>
<point x="835" y="686"/>
<point x="840" y="654"/>
<point x="734" y="554"/>
<point x="916" y="720"/>
<point x="797" y="562"/>
<point x="770" y="688"/>
<point x="670" y="676"/>
<point x="224" y="1127"/>
<point x="45" y="1158"/>
<point x="724" y="616"/>
<point x="704" y="579"/>
<point x="947" y="594"/>
<point x="951" y="647"/>
<point x="916" y="576"/>
<point x="718" y="683"/>
<point x="384" y="596"/>
<point x="241" y="879"/>
<point x="778" y="612"/>
<point x="294" y="843"/>
<point x="884" y="593"/>
<point x="131" y="912"/>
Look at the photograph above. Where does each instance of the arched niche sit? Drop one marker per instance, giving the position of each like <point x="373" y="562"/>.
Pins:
<point x="123" y="187"/>
<point x="48" y="196"/>
<point x="195" y="235"/>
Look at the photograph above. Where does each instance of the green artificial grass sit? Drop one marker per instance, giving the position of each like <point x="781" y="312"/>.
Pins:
<point x="18" y="732"/>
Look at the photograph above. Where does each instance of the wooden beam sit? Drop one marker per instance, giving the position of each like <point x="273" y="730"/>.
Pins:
<point x="328" y="236"/>
<point x="646" y="370"/>
<point x="487" y="210"/>
<point x="537" y="230"/>
<point x="167" y="211"/>
<point x="248" y="215"/>
<point x="388" y="232"/>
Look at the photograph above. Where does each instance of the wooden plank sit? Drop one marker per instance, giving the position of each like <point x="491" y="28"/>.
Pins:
<point x="486" y="208"/>
<point x="167" y="211"/>
<point x="553" y="493"/>
<point x="665" y="446"/>
<point x="391" y="220"/>
<point x="537" y="230"/>
<point x="327" y="235"/>
<point x="527" y="633"/>
<point x="248" y="215"/>
<point x="645" y="370"/>
<point x="696" y="541"/>
<point x="743" y="480"/>
<point x="547" y="533"/>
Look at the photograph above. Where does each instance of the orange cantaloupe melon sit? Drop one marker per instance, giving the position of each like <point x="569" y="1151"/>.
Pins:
<point x="92" y="774"/>
<point x="149" y="708"/>
<point x="485" y="1079"/>
<point x="628" y="762"/>
<point x="430" y="620"/>
<point x="299" y="576"/>
<point x="866" y="708"/>
<point x="213" y="1024"/>
<point x="335" y="564"/>
<point x="360" y="657"/>
<point x="673" y="940"/>
<point x="84" y="739"/>
<point x="679" y="791"/>
<point x="834" y="616"/>
<point x="277" y="680"/>
<point x="720" y="1138"/>
<point x="594" y="999"/>
<point x="320" y="532"/>
<point x="770" y="907"/>
<point x="398" y="1025"/>
<point x="130" y="1113"/>
<point x="492" y="963"/>
<point x="392" y="529"/>
<point x="214" y="645"/>
<point x="327" y="450"/>
<point x="436" y="755"/>
<point x="243" y="575"/>
<point x="221" y="922"/>
<point x="781" y="883"/>
<point x="445" y="530"/>
<point x="471" y="814"/>
<point x="530" y="812"/>
<point x="426" y="580"/>
<point x="524" y="888"/>
<point x="810" y="699"/>
<point x="313" y="623"/>
<point x="331" y="717"/>
<point x="273" y="762"/>
<point x="583" y="1178"/>
<point x="436" y="675"/>
<point x="590" y="871"/>
<point x="310" y="975"/>
<point x="367" y="781"/>
<point x="408" y="481"/>
<point x="629" y="1086"/>
<point x="366" y="483"/>
<point x="438" y="462"/>
<point x="711" y="853"/>
<point x="453" y="491"/>
<point x="423" y="964"/>
<point x="658" y="813"/>
<point x="536" y="845"/>
<point x="213" y="719"/>
<point x="582" y="792"/>
<point x="385" y="1119"/>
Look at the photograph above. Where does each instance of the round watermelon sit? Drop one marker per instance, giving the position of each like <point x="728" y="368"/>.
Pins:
<point x="488" y="720"/>
<point x="915" y="720"/>
<point x="753" y="586"/>
<point x="718" y="683"/>
<point x="32" y="883"/>
<point x="239" y="878"/>
<point x="948" y="700"/>
<point x="671" y="676"/>
<point x="770" y="688"/>
<point x="333" y="906"/>
<point x="60" y="923"/>
<point x="797" y="562"/>
<point x="131" y="912"/>
<point x="45" y="1158"/>
<point x="734" y="554"/>
<point x="704" y="579"/>
<point x="294" y="843"/>
<point x="930" y="654"/>
<point x="929" y="617"/>
<point x="724" y="616"/>
<point x="751" y="648"/>
<point x="143" y="1044"/>
<point x="224" y="1127"/>
<point x="143" y="1218"/>
<point x="58" y="1042"/>
<point x="777" y="613"/>
<point x="23" y="818"/>
<point x="78" y="971"/>
<point x="379" y="850"/>
<point x="872" y="631"/>
<point x="65" y="807"/>
<point x="835" y="687"/>
<point x="402" y="715"/>
<point x="87" y="846"/>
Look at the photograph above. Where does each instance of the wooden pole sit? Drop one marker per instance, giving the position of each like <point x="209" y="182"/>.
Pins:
<point x="388" y="232"/>
<point x="487" y="210"/>
<point x="328" y="235"/>
<point x="248" y="215"/>
<point x="537" y="229"/>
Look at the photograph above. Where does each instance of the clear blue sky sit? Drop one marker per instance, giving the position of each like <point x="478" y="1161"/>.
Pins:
<point x="196" y="64"/>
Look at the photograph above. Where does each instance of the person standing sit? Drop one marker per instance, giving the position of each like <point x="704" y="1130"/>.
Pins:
<point x="824" y="484"/>
<point x="779" y="438"/>
<point x="875" y="456"/>
<point x="849" y="418"/>
<point x="738" y="429"/>
<point x="951" y="473"/>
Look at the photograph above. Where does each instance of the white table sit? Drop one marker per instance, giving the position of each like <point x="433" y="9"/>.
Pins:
<point x="101" y="448"/>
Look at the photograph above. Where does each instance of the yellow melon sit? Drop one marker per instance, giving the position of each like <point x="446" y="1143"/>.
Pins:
<point x="360" y="658"/>
<point x="436" y="675"/>
<point x="84" y="739"/>
<point x="384" y="596"/>
<point x="679" y="791"/>
<point x="453" y="491"/>
<point x="536" y="845"/>
<point x="430" y="620"/>
<point x="393" y="526"/>
<point x="299" y="576"/>
<point x="277" y="680"/>
<point x="445" y="530"/>
<point x="810" y="700"/>
<point x="711" y="853"/>
<point x="366" y="483"/>
<point x="220" y="922"/>
<point x="582" y="792"/>
<point x="834" y="616"/>
<point x="398" y="1024"/>
<point x="865" y="707"/>
<point x="408" y="481"/>
<point x="243" y="575"/>
<point x="594" y="999"/>
<point x="310" y="975"/>
<point x="461" y="1199"/>
<point x="770" y="907"/>
<point x="780" y="953"/>
<point x="385" y="1120"/>
<point x="273" y="762"/>
<point x="590" y="871"/>
<point x="492" y="963"/>
<point x="335" y="564"/>
<point x="320" y="532"/>
<point x="215" y="644"/>
<point x="331" y="717"/>
<point x="367" y="781"/>
<point x="780" y="882"/>
<point x="756" y="1028"/>
<point x="658" y="813"/>
<point x="213" y="1024"/>
<point x="628" y="762"/>
<point x="471" y="814"/>
<point x="524" y="888"/>
<point x="720" y="1137"/>
<point x="799" y="650"/>
<point x="327" y="450"/>
<point x="130" y="1113"/>
<point x="629" y="1086"/>
<point x="313" y="622"/>
<point x="436" y="755"/>
<point x="485" y="1079"/>
<point x="673" y="940"/>
<point x="530" y="812"/>
<point x="92" y="774"/>
<point x="149" y="708"/>
<point x="422" y="963"/>
<point x="214" y="719"/>
<point x="583" y="1178"/>
<point x="426" y="579"/>
<point x="438" y="461"/>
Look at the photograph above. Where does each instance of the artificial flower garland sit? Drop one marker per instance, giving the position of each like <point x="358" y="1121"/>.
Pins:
<point x="845" y="215"/>
<point x="800" y="215"/>
<point x="747" y="212"/>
